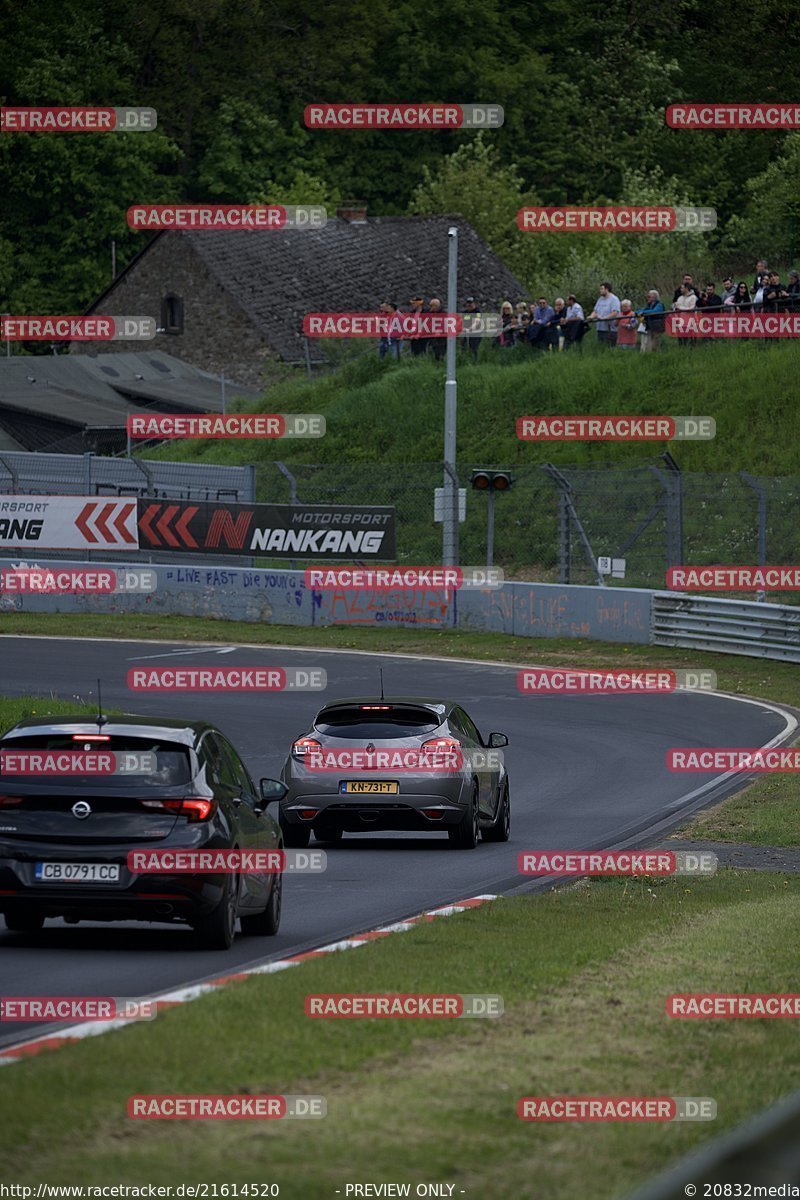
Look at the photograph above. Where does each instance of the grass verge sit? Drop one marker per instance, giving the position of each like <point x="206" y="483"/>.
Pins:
<point x="767" y="813"/>
<point x="584" y="973"/>
<point x="13" y="710"/>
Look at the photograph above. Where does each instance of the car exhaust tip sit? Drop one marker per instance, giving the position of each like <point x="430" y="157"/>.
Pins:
<point x="164" y="910"/>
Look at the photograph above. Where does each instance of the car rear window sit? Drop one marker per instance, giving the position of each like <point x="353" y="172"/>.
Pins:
<point x="376" y="722"/>
<point x="138" y="762"/>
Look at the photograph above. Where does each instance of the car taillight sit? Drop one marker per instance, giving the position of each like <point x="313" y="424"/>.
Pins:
<point x="196" y="808"/>
<point x="447" y="751"/>
<point x="91" y="737"/>
<point x="304" y="746"/>
<point x="443" y="745"/>
<point x="7" y="801"/>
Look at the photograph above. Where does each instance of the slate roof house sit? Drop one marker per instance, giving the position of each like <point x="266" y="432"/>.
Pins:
<point x="234" y="302"/>
<point x="70" y="404"/>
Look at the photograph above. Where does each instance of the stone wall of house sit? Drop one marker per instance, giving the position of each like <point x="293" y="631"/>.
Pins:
<point x="217" y="335"/>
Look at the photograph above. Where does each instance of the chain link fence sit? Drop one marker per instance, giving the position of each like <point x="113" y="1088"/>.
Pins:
<point x="656" y="516"/>
<point x="552" y="525"/>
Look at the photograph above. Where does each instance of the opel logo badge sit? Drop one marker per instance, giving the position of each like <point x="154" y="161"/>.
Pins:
<point x="81" y="810"/>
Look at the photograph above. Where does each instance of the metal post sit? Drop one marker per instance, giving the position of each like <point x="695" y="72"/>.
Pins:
<point x="113" y="260"/>
<point x="307" y="357"/>
<point x="222" y="392"/>
<point x="758" y="488"/>
<point x="490" y="530"/>
<point x="567" y="515"/>
<point x="450" y="495"/>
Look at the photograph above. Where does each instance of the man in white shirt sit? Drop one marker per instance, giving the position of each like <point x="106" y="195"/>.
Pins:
<point x="606" y="308"/>
<point x="572" y="323"/>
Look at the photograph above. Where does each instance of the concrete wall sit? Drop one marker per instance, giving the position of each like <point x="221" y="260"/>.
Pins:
<point x="281" y="598"/>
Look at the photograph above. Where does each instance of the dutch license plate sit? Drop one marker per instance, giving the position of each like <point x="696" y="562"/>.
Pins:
<point x="369" y="787"/>
<point x="75" y="872"/>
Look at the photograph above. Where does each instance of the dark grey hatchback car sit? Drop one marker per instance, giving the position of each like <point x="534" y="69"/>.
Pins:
<point x="64" y="839"/>
<point x="469" y="802"/>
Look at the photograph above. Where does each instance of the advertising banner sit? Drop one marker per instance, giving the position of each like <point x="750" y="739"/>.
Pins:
<point x="67" y="523"/>
<point x="308" y="531"/>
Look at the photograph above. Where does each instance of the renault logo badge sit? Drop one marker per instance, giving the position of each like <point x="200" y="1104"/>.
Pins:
<point x="81" y="810"/>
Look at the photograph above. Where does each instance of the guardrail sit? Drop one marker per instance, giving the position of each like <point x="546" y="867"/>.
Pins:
<point x="532" y="610"/>
<point x="728" y="626"/>
<point x="764" y="1152"/>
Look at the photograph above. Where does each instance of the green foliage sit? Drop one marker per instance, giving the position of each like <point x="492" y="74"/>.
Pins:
<point x="583" y="92"/>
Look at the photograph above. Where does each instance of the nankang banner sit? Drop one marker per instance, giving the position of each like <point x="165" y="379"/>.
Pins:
<point x="308" y="531"/>
<point x="67" y="523"/>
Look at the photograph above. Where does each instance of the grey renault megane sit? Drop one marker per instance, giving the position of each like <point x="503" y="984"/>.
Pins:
<point x="401" y="764"/>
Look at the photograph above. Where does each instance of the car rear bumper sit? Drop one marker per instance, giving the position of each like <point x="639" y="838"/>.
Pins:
<point x="356" y="814"/>
<point x="134" y="898"/>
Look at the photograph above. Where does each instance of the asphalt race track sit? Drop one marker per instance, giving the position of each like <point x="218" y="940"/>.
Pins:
<point x="585" y="771"/>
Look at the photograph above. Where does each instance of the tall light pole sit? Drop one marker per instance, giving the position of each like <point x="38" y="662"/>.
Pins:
<point x="450" y="495"/>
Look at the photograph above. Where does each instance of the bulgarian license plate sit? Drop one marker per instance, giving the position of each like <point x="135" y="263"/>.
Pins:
<point x="369" y="787"/>
<point x="75" y="872"/>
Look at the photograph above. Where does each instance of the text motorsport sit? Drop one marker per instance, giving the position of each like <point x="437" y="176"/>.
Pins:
<point x="388" y="579"/>
<point x="550" y="681"/>
<point x="400" y="325"/>
<point x="403" y="1005"/>
<point x="226" y="862"/>
<point x="227" y="217"/>
<point x="229" y="425"/>
<point x="615" y="429"/>
<point x="227" y="679"/>
<point x="733" y="325"/>
<point x="617" y="219"/>
<point x="616" y="862"/>
<point x="617" y="1108"/>
<point x="400" y="115"/>
<point x="314" y="531"/>
<point x="725" y="578"/>
<point x="226" y="1108"/>
<point x="77" y="329"/>
<point x="782" y="760"/>
<point x="31" y="119"/>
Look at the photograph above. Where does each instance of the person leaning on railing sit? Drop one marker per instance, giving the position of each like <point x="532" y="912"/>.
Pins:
<point x="653" y="317"/>
<point x="686" y="302"/>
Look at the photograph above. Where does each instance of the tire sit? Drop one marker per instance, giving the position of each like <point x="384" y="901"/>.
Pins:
<point x="217" y="930"/>
<point x="328" y="833"/>
<point x="295" y="837"/>
<point x="266" y="923"/>
<point x="24" y="922"/>
<point x="464" y="835"/>
<point x="500" y="828"/>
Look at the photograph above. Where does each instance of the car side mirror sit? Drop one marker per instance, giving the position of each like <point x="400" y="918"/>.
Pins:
<point x="271" y="790"/>
<point x="496" y="740"/>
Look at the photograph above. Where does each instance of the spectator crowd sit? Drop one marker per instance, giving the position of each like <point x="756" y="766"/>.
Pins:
<point x="563" y="324"/>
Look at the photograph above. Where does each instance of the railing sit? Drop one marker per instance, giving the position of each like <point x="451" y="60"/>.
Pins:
<point x="729" y="626"/>
<point x="764" y="1153"/>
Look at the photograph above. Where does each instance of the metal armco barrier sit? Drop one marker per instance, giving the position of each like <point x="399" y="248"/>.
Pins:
<point x="534" y="610"/>
<point x="763" y="1152"/>
<point x="729" y="626"/>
